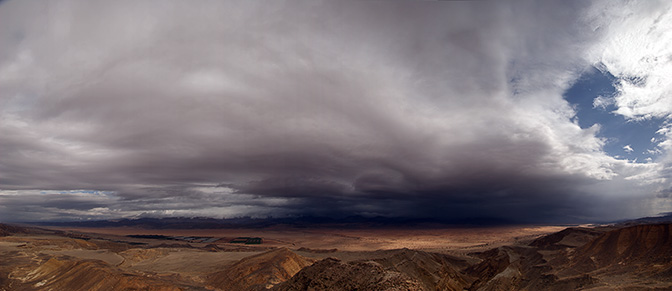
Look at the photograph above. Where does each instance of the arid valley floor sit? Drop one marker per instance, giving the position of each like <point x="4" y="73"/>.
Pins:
<point x="634" y="257"/>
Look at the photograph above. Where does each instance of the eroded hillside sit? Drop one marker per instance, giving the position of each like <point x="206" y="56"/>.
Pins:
<point x="627" y="258"/>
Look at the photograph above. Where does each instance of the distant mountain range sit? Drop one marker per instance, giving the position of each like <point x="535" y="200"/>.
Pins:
<point x="295" y="222"/>
<point x="313" y="221"/>
<point x="666" y="217"/>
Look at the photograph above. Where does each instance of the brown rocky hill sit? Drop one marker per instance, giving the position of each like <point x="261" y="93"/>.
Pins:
<point x="401" y="269"/>
<point x="630" y="258"/>
<point x="260" y="272"/>
<point x="6" y="229"/>
<point x="333" y="274"/>
<point x="434" y="271"/>
<point x="520" y="268"/>
<point x="67" y="274"/>
<point x="641" y="248"/>
<point x="569" y="237"/>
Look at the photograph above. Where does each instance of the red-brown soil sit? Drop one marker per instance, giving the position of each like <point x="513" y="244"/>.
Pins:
<point x="523" y="258"/>
<point x="260" y="272"/>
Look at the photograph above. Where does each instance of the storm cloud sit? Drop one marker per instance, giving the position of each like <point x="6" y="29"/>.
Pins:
<point x="271" y="108"/>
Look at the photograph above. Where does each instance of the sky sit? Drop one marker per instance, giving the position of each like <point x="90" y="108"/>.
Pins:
<point x="528" y="111"/>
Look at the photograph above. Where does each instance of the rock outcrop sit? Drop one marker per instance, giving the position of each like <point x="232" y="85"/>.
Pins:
<point x="433" y="271"/>
<point x="260" y="272"/>
<point x="333" y="274"/>
<point x="401" y="269"/>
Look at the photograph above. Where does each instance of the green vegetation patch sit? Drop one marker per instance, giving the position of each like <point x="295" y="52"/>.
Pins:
<point x="247" y="240"/>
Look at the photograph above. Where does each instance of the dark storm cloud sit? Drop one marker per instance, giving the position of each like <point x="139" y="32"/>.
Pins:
<point x="399" y="108"/>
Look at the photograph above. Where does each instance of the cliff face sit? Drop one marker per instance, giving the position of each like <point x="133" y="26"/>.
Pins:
<point x="520" y="268"/>
<point x="630" y="258"/>
<point x="650" y="243"/>
<point x="646" y="249"/>
<point x="261" y="271"/>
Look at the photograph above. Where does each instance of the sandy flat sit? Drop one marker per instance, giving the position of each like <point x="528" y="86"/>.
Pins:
<point x="440" y="240"/>
<point x="103" y="255"/>
<point x="188" y="261"/>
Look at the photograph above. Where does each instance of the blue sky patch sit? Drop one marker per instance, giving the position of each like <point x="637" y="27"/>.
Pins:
<point x="627" y="139"/>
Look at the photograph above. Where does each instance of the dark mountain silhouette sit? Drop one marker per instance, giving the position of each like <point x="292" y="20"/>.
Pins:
<point x="296" y="222"/>
<point x="663" y="218"/>
<point x="7" y="229"/>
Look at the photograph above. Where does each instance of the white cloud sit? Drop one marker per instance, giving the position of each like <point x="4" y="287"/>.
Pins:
<point x="654" y="151"/>
<point x="603" y="102"/>
<point x="637" y="50"/>
<point x="158" y="104"/>
<point x="628" y="149"/>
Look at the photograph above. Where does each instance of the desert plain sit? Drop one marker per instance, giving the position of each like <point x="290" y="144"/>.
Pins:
<point x="406" y="258"/>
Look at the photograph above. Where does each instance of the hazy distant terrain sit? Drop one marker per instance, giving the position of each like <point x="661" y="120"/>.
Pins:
<point x="629" y="257"/>
<point x="335" y="145"/>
